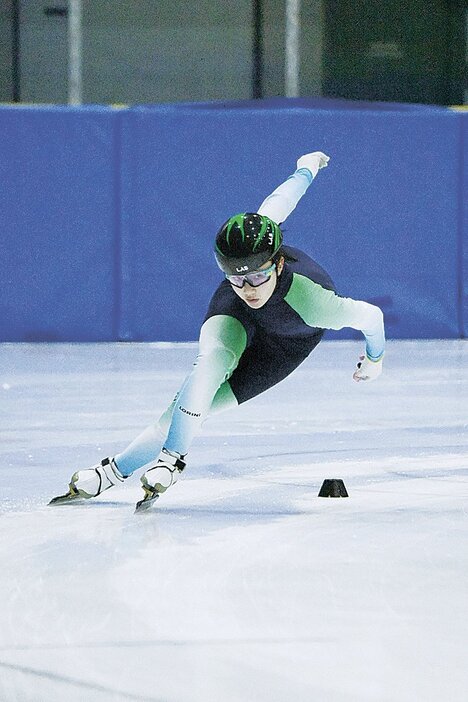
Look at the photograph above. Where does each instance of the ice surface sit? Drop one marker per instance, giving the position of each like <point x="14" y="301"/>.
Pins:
<point x="241" y="584"/>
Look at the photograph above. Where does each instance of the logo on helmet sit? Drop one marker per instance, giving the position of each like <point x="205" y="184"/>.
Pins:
<point x="242" y="268"/>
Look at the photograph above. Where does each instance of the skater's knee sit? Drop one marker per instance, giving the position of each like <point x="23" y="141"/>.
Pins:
<point x="217" y="361"/>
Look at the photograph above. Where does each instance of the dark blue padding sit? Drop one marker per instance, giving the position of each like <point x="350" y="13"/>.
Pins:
<point x="103" y="240"/>
<point x="463" y="228"/>
<point x="59" y="220"/>
<point x="383" y="218"/>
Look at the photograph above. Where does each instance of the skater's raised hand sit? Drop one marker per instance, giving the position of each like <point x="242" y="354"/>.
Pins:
<point x="313" y="162"/>
<point x="367" y="369"/>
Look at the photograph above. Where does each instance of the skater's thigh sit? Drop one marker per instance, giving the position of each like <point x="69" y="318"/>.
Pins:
<point x="264" y="365"/>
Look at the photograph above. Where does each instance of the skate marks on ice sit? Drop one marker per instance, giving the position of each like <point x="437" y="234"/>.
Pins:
<point x="72" y="601"/>
<point x="50" y="686"/>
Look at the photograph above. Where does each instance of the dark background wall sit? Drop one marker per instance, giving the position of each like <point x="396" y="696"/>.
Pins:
<point x="406" y="52"/>
<point x="142" y="51"/>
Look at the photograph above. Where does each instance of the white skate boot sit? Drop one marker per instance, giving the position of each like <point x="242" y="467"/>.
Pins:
<point x="91" y="482"/>
<point x="160" y="477"/>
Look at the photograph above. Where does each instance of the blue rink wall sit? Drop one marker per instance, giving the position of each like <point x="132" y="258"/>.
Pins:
<point x="108" y="216"/>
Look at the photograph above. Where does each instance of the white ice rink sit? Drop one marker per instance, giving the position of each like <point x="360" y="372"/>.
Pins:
<point x="241" y="584"/>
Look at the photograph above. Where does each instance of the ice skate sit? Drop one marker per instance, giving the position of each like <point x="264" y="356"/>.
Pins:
<point x="91" y="482"/>
<point x="159" y="478"/>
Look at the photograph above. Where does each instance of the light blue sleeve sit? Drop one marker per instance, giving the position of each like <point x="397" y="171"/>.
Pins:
<point x="282" y="201"/>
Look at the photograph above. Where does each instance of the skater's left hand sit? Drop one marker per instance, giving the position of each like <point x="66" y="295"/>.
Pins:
<point x="367" y="369"/>
<point x="313" y="162"/>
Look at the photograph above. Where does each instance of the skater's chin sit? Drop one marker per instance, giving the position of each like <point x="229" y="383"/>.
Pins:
<point x="256" y="302"/>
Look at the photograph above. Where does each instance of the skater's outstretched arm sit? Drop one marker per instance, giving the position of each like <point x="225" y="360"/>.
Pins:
<point x="323" y="308"/>
<point x="283" y="200"/>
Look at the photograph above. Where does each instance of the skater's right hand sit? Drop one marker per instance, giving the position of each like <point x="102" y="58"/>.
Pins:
<point x="313" y="162"/>
<point x="367" y="369"/>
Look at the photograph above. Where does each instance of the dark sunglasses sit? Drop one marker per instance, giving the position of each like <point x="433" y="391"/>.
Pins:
<point x="254" y="279"/>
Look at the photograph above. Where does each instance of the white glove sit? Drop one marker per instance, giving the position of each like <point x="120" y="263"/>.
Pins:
<point x="367" y="369"/>
<point x="313" y="162"/>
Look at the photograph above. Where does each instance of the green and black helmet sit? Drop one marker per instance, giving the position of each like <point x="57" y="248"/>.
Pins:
<point x="245" y="242"/>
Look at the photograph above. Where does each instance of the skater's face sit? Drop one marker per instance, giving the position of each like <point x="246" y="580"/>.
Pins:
<point x="256" y="297"/>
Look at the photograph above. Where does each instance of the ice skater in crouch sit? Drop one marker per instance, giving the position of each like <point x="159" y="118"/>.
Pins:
<point x="264" y="319"/>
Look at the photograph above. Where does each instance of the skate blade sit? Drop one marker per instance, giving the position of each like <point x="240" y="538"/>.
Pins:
<point x="70" y="496"/>
<point x="145" y="504"/>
